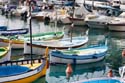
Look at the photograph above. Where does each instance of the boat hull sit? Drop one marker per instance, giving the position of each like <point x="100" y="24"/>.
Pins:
<point x="97" y="25"/>
<point x="27" y="77"/>
<point x="57" y="60"/>
<point x="16" y="44"/>
<point x="78" y="21"/>
<point x="78" y="56"/>
<point x="6" y="56"/>
<point x="116" y="27"/>
<point x="14" y="32"/>
<point x="39" y="47"/>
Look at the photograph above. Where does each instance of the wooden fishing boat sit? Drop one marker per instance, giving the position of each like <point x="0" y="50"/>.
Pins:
<point x="44" y="36"/>
<point x="16" y="43"/>
<point x="64" y="43"/>
<point x="22" y="71"/>
<point x="79" y="56"/>
<point x="14" y="32"/>
<point x="102" y="80"/>
<point x="5" y="53"/>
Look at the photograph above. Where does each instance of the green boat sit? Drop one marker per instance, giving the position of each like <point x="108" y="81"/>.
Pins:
<point x="44" y="36"/>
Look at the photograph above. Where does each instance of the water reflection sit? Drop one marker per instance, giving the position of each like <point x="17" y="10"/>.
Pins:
<point x="116" y="45"/>
<point x="97" y="36"/>
<point x="56" y="73"/>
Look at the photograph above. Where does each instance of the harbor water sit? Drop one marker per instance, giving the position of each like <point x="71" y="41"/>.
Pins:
<point x="56" y="72"/>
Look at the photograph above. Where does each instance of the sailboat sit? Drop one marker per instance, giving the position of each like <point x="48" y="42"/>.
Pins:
<point x="78" y="15"/>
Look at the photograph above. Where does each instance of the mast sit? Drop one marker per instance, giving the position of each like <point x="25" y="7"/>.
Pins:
<point x="72" y="25"/>
<point x="30" y="26"/>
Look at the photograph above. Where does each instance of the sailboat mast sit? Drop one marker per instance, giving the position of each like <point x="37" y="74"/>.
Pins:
<point x="55" y="20"/>
<point x="72" y="25"/>
<point x="30" y="25"/>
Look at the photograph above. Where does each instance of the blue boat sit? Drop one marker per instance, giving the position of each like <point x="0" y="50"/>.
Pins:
<point x="14" y="32"/>
<point x="79" y="56"/>
<point x="102" y="80"/>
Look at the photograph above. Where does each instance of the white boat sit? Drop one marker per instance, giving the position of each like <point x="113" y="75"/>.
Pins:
<point x="79" y="56"/>
<point x="79" y="16"/>
<point x="117" y="23"/>
<point x="61" y="16"/>
<point x="97" y="21"/>
<point x="65" y="43"/>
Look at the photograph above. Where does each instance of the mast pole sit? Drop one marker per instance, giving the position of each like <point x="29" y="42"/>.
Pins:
<point x="30" y="25"/>
<point x="72" y="25"/>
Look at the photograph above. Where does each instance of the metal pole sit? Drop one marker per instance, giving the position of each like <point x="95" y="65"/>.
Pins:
<point x="30" y="25"/>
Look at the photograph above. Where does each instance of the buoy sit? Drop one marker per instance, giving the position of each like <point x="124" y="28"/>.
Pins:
<point x="110" y="73"/>
<point x="123" y="53"/>
<point x="69" y="71"/>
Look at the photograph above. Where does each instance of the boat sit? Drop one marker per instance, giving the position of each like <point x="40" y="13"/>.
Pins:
<point x="79" y="16"/>
<point x="117" y="23"/>
<point x="44" y="36"/>
<point x="97" y="21"/>
<point x="13" y="32"/>
<point x="18" y="40"/>
<point x="79" y="55"/>
<point x="22" y="71"/>
<point x="102" y="80"/>
<point x="5" y="53"/>
<point x="16" y="43"/>
<point x="64" y="43"/>
<point x="61" y="16"/>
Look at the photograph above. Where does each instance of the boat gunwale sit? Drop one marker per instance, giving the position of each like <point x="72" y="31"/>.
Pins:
<point x="30" y="70"/>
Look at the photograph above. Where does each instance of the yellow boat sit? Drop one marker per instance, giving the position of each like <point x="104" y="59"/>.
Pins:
<point x="22" y="71"/>
<point x="5" y="53"/>
<point x="16" y="43"/>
